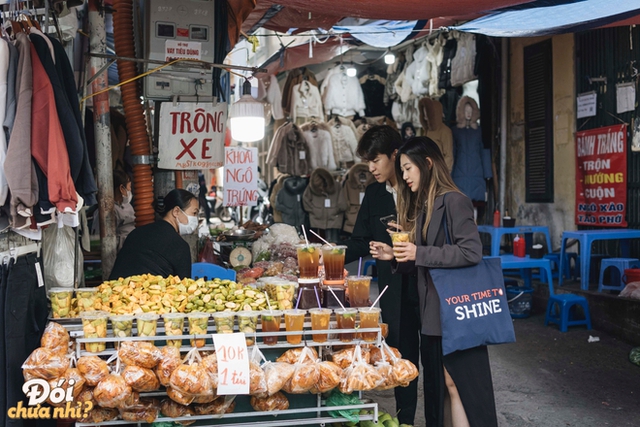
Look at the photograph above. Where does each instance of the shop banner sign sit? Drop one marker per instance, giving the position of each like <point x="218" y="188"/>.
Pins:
<point x="240" y="176"/>
<point x="601" y="176"/>
<point x="191" y="135"/>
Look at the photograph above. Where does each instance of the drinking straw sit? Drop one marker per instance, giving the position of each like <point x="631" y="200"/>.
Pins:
<point x="377" y="299"/>
<point x="316" y="234"/>
<point x="359" y="266"/>
<point x="315" y="289"/>
<point x="269" y="304"/>
<point x="334" y="295"/>
<point x="299" y="294"/>
<point x="305" y="235"/>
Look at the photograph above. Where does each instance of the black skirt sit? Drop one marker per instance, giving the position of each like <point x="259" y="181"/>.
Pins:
<point x="470" y="371"/>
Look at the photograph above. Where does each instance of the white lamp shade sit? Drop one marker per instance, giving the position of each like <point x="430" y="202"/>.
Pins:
<point x="351" y="72"/>
<point x="389" y="58"/>
<point x="247" y="119"/>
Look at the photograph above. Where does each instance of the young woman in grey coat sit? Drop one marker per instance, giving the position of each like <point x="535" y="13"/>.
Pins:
<point x="458" y="386"/>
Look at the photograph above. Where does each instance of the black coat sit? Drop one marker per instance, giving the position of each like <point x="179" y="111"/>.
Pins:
<point x="377" y="203"/>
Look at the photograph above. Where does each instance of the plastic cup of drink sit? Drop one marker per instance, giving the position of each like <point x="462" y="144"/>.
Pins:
<point x="384" y="330"/>
<point x="369" y="318"/>
<point x="320" y="318"/>
<point x="247" y="322"/>
<point x="224" y="321"/>
<point x="294" y="321"/>
<point x="359" y="290"/>
<point x="173" y="326"/>
<point x="94" y="325"/>
<point x="399" y="237"/>
<point x="346" y="320"/>
<point x="333" y="257"/>
<point x="270" y="323"/>
<point x="308" y="260"/>
<point x="86" y="298"/>
<point x="60" y="302"/>
<point x="147" y="324"/>
<point x="198" y="323"/>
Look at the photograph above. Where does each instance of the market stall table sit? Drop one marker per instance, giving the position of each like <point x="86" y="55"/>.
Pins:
<point x="497" y="233"/>
<point x="586" y="238"/>
<point x="511" y="262"/>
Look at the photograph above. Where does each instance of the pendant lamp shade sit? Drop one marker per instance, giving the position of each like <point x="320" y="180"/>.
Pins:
<point x="247" y="117"/>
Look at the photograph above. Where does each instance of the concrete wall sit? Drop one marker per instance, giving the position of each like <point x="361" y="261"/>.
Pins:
<point x="559" y="216"/>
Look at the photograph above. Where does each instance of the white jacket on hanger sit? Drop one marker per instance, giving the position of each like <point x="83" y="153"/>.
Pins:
<point x="435" y="55"/>
<point x="320" y="145"/>
<point x="343" y="96"/>
<point x="421" y="72"/>
<point x="306" y="102"/>
<point x="463" y="64"/>
<point x="345" y="143"/>
<point x="269" y="91"/>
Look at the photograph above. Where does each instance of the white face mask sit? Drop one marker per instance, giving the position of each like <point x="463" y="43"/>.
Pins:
<point x="127" y="199"/>
<point x="190" y="226"/>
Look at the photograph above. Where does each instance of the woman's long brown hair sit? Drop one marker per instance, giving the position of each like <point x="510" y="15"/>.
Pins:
<point x="435" y="180"/>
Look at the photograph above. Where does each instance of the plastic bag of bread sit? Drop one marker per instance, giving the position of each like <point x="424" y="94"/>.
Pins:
<point x="305" y="374"/>
<point x="292" y="356"/>
<point x="170" y="361"/>
<point x="404" y="371"/>
<point x="55" y="338"/>
<point x="112" y="392"/>
<point x="277" y="402"/>
<point x="176" y="396"/>
<point x="389" y="353"/>
<point x="71" y="376"/>
<point x="257" y="379"/>
<point x="277" y="374"/>
<point x="140" y="379"/>
<point x="222" y="405"/>
<point x="344" y="358"/>
<point x="100" y="415"/>
<point x="139" y="353"/>
<point x="45" y="364"/>
<point x="172" y="409"/>
<point x="142" y="410"/>
<point x="93" y="369"/>
<point x="210" y="364"/>
<point x="360" y="376"/>
<point x="330" y="376"/>
<point x="86" y="396"/>
<point x="192" y="379"/>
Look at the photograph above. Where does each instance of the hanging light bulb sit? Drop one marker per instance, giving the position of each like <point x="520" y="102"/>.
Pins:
<point x="351" y="71"/>
<point x="247" y="117"/>
<point x="389" y="57"/>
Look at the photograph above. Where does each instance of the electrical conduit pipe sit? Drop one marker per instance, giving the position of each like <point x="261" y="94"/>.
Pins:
<point x="134" y="113"/>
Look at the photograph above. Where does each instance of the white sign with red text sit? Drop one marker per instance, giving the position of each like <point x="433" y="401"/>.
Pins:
<point x="191" y="135"/>
<point x="174" y="49"/>
<point x="233" y="363"/>
<point x="240" y="176"/>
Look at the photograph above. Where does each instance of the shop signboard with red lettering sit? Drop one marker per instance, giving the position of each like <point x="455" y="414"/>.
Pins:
<point x="191" y="135"/>
<point x="601" y="176"/>
<point x="240" y="176"/>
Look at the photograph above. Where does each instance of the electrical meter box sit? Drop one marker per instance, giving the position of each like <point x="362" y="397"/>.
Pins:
<point x="178" y="29"/>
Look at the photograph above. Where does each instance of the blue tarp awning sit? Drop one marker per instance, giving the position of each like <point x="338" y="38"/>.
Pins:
<point x="544" y="17"/>
<point x="379" y="33"/>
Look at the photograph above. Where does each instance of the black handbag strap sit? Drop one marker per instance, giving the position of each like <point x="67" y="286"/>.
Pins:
<point x="444" y="222"/>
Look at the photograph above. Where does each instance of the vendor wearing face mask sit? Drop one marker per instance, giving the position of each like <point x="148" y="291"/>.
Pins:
<point x="157" y="248"/>
<point x="125" y="215"/>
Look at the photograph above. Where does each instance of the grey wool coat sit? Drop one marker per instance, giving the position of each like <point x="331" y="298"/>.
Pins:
<point x="465" y="251"/>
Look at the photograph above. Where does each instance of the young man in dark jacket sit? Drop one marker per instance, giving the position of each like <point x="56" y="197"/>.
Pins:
<point x="400" y="310"/>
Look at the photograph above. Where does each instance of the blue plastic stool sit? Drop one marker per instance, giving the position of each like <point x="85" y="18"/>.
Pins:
<point x="559" y="311"/>
<point x="620" y="264"/>
<point x="211" y="271"/>
<point x="367" y="264"/>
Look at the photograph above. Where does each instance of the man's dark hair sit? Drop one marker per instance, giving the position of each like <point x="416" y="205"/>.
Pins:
<point x="381" y="139"/>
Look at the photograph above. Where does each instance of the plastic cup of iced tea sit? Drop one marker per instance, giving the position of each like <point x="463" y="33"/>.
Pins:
<point x="320" y="318"/>
<point x="308" y="260"/>
<point x="333" y="257"/>
<point x="346" y="320"/>
<point x="270" y="323"/>
<point x="369" y="318"/>
<point x="294" y="321"/>
<point x="359" y="290"/>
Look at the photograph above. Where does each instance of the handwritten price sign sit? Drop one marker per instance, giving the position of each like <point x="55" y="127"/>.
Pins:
<point x="233" y="363"/>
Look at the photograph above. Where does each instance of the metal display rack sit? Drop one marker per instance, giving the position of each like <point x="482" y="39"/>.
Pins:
<point x="317" y="413"/>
